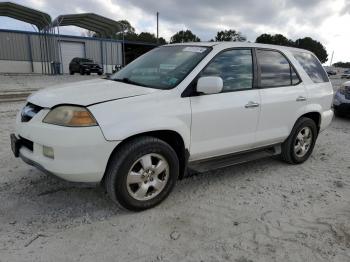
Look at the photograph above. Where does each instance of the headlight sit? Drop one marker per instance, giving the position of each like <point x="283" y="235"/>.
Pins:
<point x="73" y="116"/>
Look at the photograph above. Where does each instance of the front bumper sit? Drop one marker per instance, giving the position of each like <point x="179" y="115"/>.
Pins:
<point x="80" y="154"/>
<point x="93" y="70"/>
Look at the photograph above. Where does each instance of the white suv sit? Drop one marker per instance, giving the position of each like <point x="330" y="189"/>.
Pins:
<point x="184" y="106"/>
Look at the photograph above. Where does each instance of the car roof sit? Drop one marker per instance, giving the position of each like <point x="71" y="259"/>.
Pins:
<point x="223" y="45"/>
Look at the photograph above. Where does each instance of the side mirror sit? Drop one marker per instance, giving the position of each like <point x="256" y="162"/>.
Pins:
<point x="210" y="85"/>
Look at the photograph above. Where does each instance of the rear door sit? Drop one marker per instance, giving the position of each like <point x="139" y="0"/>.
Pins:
<point x="282" y="96"/>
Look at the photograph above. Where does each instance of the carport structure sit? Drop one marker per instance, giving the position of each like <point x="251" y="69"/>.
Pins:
<point x="37" y="19"/>
<point x="102" y="26"/>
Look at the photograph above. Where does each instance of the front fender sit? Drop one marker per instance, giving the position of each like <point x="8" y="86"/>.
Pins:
<point x="126" y="117"/>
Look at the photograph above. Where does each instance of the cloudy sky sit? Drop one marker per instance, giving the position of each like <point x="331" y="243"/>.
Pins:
<point x="328" y="21"/>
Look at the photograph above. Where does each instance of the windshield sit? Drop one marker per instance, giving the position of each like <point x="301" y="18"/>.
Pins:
<point x="163" y="67"/>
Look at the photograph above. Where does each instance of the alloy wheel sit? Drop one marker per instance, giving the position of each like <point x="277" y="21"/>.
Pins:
<point x="303" y="142"/>
<point x="147" y="177"/>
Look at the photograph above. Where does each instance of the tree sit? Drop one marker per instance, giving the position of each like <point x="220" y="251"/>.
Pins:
<point x="230" y="35"/>
<point x="314" y="46"/>
<point x="129" y="31"/>
<point x="184" y="36"/>
<point x="342" y="64"/>
<point x="276" y="39"/>
<point x="147" y="37"/>
<point x="162" y="41"/>
<point x="127" y="26"/>
<point x="305" y="43"/>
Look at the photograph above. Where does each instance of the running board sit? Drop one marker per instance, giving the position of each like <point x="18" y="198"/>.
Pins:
<point x="233" y="159"/>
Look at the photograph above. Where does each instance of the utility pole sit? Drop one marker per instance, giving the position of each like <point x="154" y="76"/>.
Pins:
<point x="330" y="63"/>
<point x="157" y="27"/>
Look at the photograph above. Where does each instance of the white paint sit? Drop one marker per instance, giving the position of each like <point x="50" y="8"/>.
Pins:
<point x="70" y="50"/>
<point x="81" y="154"/>
<point x="210" y="125"/>
<point x="86" y="92"/>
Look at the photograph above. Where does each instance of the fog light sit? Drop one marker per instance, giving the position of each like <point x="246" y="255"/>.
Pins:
<point x="48" y="152"/>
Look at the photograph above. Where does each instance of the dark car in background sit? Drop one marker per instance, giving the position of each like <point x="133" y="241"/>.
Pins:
<point x="346" y="74"/>
<point x="331" y="72"/>
<point x="341" y="102"/>
<point x="84" y="66"/>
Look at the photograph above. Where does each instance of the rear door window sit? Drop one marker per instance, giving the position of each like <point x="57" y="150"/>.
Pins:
<point x="275" y="70"/>
<point x="312" y="67"/>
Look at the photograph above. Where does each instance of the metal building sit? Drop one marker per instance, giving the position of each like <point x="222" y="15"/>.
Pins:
<point x="20" y="52"/>
<point x="39" y="52"/>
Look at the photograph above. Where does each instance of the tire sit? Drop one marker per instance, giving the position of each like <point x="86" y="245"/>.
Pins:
<point x="99" y="73"/>
<point x="82" y="71"/>
<point x="338" y="113"/>
<point x="71" y="72"/>
<point x="88" y="73"/>
<point x="294" y="156"/>
<point x="126" y="159"/>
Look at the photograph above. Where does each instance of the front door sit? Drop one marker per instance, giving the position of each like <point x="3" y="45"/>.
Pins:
<point x="226" y="122"/>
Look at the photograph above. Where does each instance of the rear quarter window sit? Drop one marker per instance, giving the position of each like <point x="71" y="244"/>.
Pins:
<point x="312" y="67"/>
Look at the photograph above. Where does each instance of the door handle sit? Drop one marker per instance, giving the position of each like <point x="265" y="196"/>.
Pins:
<point x="251" y="104"/>
<point x="301" y="98"/>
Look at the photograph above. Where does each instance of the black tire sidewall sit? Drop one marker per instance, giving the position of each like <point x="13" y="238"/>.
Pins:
<point x="117" y="183"/>
<point x="304" y="122"/>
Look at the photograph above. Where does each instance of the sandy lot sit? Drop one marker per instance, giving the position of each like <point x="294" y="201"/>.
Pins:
<point x="23" y="82"/>
<point x="260" y="211"/>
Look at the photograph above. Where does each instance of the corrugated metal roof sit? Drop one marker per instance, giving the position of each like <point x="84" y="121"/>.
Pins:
<point x="25" y="14"/>
<point x="90" y="21"/>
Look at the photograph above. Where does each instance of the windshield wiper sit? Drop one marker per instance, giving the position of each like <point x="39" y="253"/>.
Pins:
<point x="128" y="81"/>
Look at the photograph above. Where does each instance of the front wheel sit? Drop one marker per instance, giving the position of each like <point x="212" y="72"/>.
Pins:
<point x="142" y="173"/>
<point x="300" y="143"/>
<point x="82" y="72"/>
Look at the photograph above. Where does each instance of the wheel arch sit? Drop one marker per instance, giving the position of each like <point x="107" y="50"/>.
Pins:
<point x="315" y="116"/>
<point x="173" y="138"/>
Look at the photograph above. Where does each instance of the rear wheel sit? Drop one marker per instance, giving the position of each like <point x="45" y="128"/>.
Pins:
<point x="300" y="143"/>
<point x="142" y="173"/>
<point x="71" y="72"/>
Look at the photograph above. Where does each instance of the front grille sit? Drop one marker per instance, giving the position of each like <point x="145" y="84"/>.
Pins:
<point x="26" y="143"/>
<point x="29" y="111"/>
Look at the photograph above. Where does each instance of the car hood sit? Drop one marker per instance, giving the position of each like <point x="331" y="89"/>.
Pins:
<point x="86" y="93"/>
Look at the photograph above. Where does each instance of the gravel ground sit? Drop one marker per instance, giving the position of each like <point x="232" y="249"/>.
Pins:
<point x="261" y="211"/>
<point x="23" y="82"/>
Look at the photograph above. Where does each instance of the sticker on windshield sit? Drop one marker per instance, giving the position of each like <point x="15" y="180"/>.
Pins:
<point x="194" y="49"/>
<point x="167" y="67"/>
